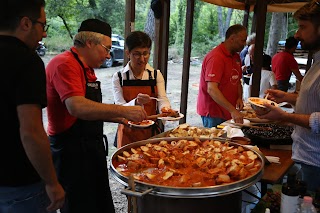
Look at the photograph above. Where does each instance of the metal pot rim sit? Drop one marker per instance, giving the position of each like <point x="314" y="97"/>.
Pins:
<point x="187" y="192"/>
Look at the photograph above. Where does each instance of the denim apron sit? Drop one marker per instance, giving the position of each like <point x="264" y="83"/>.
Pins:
<point x="79" y="156"/>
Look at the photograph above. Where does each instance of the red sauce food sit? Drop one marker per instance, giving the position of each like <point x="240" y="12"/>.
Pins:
<point x="168" y="112"/>
<point x="186" y="163"/>
<point x="142" y="123"/>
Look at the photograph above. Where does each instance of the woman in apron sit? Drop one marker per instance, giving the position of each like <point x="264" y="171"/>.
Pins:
<point x="135" y="84"/>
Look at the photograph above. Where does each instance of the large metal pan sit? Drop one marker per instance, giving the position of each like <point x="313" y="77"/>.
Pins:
<point x="185" y="192"/>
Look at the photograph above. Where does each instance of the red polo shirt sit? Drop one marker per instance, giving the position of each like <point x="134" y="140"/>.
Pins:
<point x="221" y="67"/>
<point x="282" y="65"/>
<point x="65" y="78"/>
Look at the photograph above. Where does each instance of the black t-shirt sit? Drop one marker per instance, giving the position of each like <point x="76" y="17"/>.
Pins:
<point x="23" y="82"/>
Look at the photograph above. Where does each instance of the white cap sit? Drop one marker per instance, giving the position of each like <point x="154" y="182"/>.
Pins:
<point x="267" y="210"/>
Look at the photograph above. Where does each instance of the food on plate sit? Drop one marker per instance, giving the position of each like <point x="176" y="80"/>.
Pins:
<point x="257" y="105"/>
<point x="185" y="130"/>
<point x="188" y="163"/>
<point x="245" y="121"/>
<point x="168" y="112"/>
<point x="142" y="123"/>
<point x="249" y="114"/>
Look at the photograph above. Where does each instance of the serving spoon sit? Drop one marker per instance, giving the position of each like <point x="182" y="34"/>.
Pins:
<point x="157" y="99"/>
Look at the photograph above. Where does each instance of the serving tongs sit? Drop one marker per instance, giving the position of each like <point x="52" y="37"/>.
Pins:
<point x="150" y="117"/>
<point x="252" y="126"/>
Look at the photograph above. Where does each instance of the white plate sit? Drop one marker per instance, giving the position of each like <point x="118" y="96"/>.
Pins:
<point x="245" y="121"/>
<point x="143" y="125"/>
<point x="172" y="118"/>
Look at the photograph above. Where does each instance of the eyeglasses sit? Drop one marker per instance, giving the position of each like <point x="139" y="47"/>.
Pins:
<point x="44" y="25"/>
<point x="106" y="48"/>
<point x="137" y="55"/>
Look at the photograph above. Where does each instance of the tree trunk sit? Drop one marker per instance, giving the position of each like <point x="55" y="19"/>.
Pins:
<point x="67" y="27"/>
<point x="284" y="25"/>
<point x="149" y="26"/>
<point x="220" y="22"/>
<point x="228" y="20"/>
<point x="277" y="21"/>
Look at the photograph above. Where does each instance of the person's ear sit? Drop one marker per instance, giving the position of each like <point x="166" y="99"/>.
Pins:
<point x="25" y="23"/>
<point x="89" y="43"/>
<point x="127" y="53"/>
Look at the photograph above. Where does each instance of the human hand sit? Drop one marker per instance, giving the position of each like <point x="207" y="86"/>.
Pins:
<point x="56" y="195"/>
<point x="135" y="113"/>
<point x="275" y="113"/>
<point x="244" y="69"/>
<point x="142" y="99"/>
<point x="277" y="96"/>
<point x="239" y="104"/>
<point x="237" y="116"/>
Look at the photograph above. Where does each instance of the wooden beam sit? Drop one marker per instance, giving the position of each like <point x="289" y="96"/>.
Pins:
<point x="186" y="59"/>
<point x="261" y="11"/>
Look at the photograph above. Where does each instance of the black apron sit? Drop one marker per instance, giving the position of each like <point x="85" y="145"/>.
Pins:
<point x="79" y="156"/>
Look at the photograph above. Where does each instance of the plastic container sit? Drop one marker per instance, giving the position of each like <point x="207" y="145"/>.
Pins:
<point x="307" y="206"/>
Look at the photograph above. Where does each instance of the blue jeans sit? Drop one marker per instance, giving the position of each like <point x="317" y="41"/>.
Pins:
<point x="24" y="199"/>
<point x="310" y="174"/>
<point x="211" y="122"/>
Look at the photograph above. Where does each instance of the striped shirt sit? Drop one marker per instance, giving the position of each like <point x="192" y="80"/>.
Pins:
<point x="306" y="142"/>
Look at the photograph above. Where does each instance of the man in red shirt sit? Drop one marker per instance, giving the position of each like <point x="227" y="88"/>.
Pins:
<point x="284" y="64"/>
<point x="75" y="119"/>
<point x="220" y="90"/>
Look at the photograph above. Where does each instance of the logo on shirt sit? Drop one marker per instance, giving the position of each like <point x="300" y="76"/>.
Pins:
<point x="234" y="76"/>
<point x="211" y="75"/>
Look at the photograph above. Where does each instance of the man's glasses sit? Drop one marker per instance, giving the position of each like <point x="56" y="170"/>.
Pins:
<point x="106" y="48"/>
<point x="44" y="25"/>
<point x="137" y="55"/>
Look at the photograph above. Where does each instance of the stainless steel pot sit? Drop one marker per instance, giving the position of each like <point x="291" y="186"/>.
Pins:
<point x="183" y="192"/>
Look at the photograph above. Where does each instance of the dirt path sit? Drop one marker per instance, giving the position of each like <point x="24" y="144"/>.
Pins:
<point x="174" y="94"/>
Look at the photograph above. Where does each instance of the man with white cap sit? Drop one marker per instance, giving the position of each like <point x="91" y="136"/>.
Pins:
<point x="76" y="116"/>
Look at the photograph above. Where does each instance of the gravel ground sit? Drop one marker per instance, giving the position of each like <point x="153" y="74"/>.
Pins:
<point x="174" y="94"/>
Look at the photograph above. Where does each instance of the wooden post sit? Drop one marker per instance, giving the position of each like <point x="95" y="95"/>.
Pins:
<point x="160" y="60"/>
<point x="260" y="11"/>
<point x="186" y="59"/>
<point x="245" y="22"/>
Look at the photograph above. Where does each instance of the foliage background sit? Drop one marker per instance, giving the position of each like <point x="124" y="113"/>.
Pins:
<point x="210" y="22"/>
